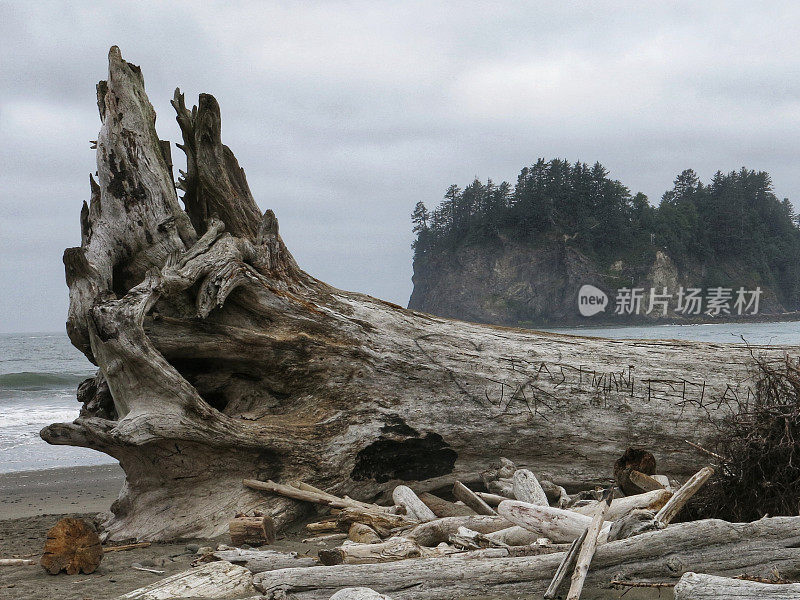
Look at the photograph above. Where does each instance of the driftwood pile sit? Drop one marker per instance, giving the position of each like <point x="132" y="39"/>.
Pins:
<point x="524" y="536"/>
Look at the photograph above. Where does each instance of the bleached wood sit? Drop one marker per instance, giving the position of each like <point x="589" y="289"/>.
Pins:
<point x="310" y="494"/>
<point x="382" y="522"/>
<point x="715" y="546"/>
<point x="17" y="562"/>
<point x="555" y="524"/>
<point x="258" y="561"/>
<point x="219" y="580"/>
<point x="683" y="495"/>
<point x="363" y="534"/>
<point x="468" y="497"/>
<point x="440" y="530"/>
<point x="588" y="548"/>
<point x="645" y="482"/>
<point x="492" y="499"/>
<point x="515" y="536"/>
<point x="359" y="593"/>
<point x="415" y="509"/>
<point x="654" y="500"/>
<point x="443" y="508"/>
<point x="697" y="586"/>
<point x="527" y="488"/>
<point x="393" y="549"/>
<point x="566" y="566"/>
<point x="220" y="360"/>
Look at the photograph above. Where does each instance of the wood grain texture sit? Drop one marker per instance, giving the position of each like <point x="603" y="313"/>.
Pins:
<point x="72" y="546"/>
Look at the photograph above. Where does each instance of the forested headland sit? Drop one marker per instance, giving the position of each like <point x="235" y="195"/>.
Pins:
<point x="574" y="220"/>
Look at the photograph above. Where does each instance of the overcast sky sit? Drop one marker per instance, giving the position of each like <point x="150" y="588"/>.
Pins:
<point x="344" y="115"/>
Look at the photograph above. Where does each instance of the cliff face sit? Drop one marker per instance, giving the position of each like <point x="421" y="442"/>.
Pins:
<point x="509" y="283"/>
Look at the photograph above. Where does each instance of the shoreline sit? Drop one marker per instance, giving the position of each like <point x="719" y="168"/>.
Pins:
<point x="60" y="490"/>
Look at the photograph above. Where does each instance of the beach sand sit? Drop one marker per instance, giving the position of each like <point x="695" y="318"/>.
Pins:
<point x="32" y="502"/>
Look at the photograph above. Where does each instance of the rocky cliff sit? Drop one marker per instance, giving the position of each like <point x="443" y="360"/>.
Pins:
<point x="516" y="284"/>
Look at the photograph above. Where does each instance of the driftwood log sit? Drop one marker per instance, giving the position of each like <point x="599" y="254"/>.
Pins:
<point x="258" y="561"/>
<point x="72" y="546"/>
<point x="215" y="580"/>
<point x="220" y="360"/>
<point x="255" y="531"/>
<point x="696" y="586"/>
<point x="714" y="546"/>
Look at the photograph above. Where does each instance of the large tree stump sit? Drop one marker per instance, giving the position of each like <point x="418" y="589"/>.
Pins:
<point x="72" y="546"/>
<point x="220" y="360"/>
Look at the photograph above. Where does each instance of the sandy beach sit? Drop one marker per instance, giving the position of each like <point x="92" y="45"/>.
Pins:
<point x="31" y="502"/>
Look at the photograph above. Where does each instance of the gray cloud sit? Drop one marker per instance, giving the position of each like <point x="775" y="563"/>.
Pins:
<point x="345" y="114"/>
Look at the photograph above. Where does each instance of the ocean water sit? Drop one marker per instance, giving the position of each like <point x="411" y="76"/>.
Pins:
<point x="39" y="374"/>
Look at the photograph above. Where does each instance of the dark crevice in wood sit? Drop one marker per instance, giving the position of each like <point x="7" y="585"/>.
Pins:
<point x="413" y="459"/>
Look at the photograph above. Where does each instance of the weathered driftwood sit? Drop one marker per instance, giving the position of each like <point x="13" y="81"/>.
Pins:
<point x="696" y="586"/>
<point x="588" y="548"/>
<point x="555" y="524"/>
<point x="633" y="459"/>
<point x="566" y="566"/>
<point x="527" y="488"/>
<point x="443" y="508"/>
<point x="645" y="483"/>
<point x="255" y="531"/>
<point x="635" y="522"/>
<point x="715" y="546"/>
<point x="468" y="497"/>
<point x="139" y="567"/>
<point x="330" y="523"/>
<point x="466" y="539"/>
<point x="556" y="494"/>
<point x="492" y="499"/>
<point x="328" y="537"/>
<point x="124" y="547"/>
<point x="382" y="522"/>
<point x="363" y="534"/>
<point x="393" y="549"/>
<point x="620" y="507"/>
<point x="72" y="546"/>
<point x="309" y="494"/>
<point x="221" y="360"/>
<point x="258" y="561"/>
<point x="213" y="580"/>
<point x="17" y="562"/>
<point x="358" y="593"/>
<point x="683" y="495"/>
<point x="440" y="530"/>
<point x="415" y="508"/>
<point x="515" y="536"/>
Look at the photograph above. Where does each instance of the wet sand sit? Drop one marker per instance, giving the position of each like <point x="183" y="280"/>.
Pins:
<point x="59" y="491"/>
